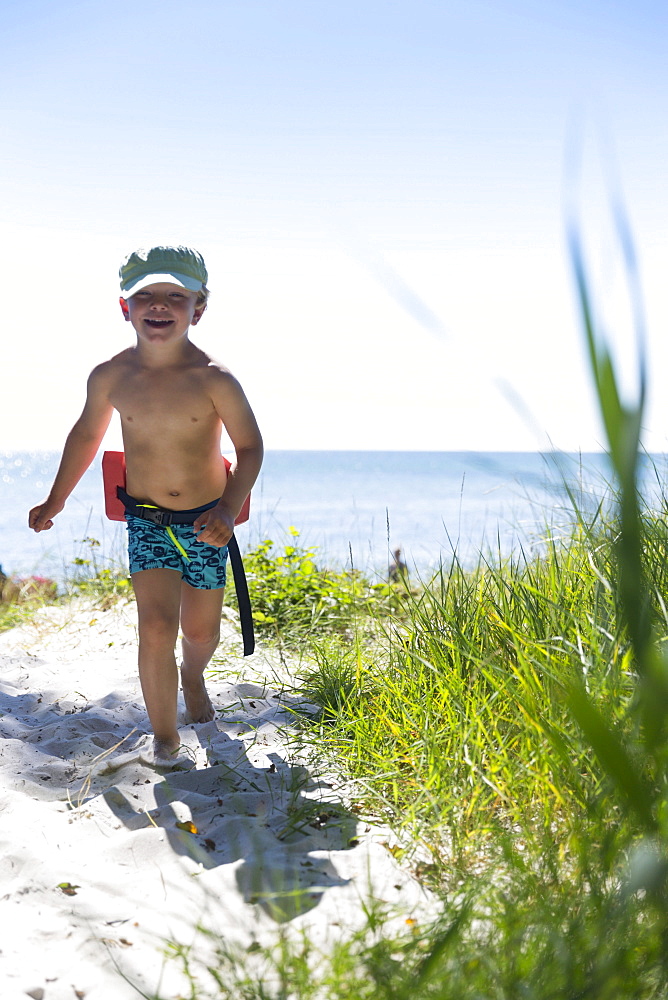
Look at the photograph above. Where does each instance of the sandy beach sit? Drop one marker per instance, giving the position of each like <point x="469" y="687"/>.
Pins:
<point x="105" y="859"/>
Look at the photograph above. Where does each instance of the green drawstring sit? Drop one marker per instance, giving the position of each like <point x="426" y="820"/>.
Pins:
<point x="170" y="532"/>
<point x="177" y="543"/>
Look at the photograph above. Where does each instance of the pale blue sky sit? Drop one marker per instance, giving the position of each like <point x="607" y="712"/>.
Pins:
<point x="377" y="188"/>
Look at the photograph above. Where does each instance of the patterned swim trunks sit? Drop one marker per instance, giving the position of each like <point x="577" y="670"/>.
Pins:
<point x="152" y="546"/>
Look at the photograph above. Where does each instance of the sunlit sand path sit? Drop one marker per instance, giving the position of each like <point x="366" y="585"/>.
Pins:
<point x="104" y="858"/>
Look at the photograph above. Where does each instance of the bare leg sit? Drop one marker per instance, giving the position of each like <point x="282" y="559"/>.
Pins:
<point x="158" y="593"/>
<point x="200" y="625"/>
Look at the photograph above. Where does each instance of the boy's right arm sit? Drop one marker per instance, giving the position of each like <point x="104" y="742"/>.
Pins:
<point x="80" y="449"/>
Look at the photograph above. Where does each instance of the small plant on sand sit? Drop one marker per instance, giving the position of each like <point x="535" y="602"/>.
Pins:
<point x="91" y="578"/>
<point x="20" y="597"/>
<point x="292" y="596"/>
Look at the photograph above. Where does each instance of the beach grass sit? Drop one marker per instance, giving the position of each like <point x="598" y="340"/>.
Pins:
<point x="100" y="579"/>
<point x="509" y="724"/>
<point x="497" y="726"/>
<point x="509" y="727"/>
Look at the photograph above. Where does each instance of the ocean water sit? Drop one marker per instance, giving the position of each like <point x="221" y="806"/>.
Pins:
<point x="352" y="506"/>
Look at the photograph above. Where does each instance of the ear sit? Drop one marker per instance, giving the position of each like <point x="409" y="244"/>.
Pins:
<point x="197" y="315"/>
<point x="125" y="309"/>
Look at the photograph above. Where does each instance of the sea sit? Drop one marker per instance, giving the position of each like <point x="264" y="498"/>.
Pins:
<point x="353" y="508"/>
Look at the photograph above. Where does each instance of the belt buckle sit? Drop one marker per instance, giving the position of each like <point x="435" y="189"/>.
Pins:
<point x="160" y="517"/>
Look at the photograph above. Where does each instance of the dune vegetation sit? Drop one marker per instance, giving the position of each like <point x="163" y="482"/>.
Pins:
<point x="509" y="725"/>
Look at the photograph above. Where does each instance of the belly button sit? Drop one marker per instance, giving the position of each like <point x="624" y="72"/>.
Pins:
<point x="174" y="493"/>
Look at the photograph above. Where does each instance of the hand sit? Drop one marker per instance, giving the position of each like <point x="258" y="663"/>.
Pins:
<point x="215" y="526"/>
<point x="40" y="517"/>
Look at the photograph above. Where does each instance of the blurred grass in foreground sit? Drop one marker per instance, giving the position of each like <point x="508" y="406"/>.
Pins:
<point x="499" y="724"/>
<point x="510" y="724"/>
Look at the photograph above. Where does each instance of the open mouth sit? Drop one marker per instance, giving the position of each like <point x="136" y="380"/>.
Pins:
<point x="158" y="324"/>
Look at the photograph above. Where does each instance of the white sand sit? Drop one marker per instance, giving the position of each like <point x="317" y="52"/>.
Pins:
<point x="272" y="847"/>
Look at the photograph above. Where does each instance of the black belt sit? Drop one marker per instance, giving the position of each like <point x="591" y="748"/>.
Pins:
<point x="160" y="515"/>
<point x="165" y="518"/>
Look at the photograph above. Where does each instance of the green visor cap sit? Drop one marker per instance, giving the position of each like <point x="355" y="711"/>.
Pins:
<point x="179" y="265"/>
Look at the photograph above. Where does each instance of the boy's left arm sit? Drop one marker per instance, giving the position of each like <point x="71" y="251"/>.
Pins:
<point x="234" y="410"/>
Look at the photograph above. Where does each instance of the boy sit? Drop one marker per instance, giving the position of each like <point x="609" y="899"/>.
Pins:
<point x="173" y="401"/>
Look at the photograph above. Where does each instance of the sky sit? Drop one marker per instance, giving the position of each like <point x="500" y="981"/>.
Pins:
<point x="381" y="191"/>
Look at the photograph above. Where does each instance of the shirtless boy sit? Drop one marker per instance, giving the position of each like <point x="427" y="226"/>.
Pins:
<point x="173" y="400"/>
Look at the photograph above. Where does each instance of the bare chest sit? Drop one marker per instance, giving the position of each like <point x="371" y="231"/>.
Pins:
<point x="161" y="399"/>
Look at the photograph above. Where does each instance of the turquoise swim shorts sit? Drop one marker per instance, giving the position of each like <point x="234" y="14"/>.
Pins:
<point x="152" y="546"/>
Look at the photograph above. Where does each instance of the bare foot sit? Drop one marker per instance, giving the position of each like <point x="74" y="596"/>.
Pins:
<point x="198" y="703"/>
<point x="165" y="750"/>
<point x="166" y="755"/>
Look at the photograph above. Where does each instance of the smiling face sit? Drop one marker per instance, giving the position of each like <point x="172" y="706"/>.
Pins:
<point x="162" y="312"/>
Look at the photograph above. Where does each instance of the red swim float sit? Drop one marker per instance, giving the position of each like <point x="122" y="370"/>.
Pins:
<point x="113" y="475"/>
